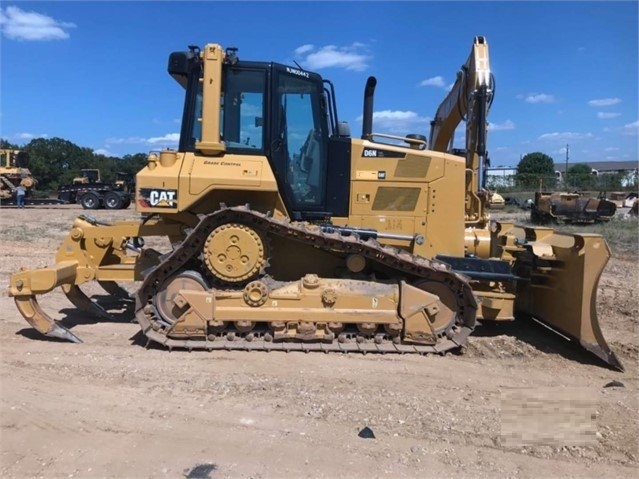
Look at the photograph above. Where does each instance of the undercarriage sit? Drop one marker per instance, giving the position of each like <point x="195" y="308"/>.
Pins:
<point x="217" y="289"/>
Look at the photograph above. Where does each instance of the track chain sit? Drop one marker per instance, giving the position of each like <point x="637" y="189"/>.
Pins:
<point x="411" y="266"/>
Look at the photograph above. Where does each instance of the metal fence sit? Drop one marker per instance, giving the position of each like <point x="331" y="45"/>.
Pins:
<point x="601" y="182"/>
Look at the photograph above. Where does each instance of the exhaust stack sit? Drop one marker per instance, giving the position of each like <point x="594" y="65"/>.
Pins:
<point x="367" y="121"/>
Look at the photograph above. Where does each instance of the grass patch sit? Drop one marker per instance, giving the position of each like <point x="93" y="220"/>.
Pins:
<point x="58" y="226"/>
<point x="24" y="233"/>
<point x="621" y="234"/>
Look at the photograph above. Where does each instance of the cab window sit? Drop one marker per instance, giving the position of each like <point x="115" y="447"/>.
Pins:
<point x="242" y="112"/>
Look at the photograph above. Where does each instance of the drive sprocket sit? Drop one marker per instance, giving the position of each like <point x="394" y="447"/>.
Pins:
<point x="234" y="253"/>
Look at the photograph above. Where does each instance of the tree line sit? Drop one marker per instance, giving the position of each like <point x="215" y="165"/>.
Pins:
<point x="55" y="162"/>
<point x="536" y="171"/>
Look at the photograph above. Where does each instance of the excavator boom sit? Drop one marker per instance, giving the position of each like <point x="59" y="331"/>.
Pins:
<point x="469" y="99"/>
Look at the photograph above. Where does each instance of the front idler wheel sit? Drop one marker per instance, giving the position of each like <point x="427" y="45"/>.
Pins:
<point x="164" y="301"/>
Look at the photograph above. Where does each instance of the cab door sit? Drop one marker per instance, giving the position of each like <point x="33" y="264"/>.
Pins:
<point x="299" y="141"/>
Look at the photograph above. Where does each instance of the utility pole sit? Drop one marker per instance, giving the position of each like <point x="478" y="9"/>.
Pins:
<point x="566" y="171"/>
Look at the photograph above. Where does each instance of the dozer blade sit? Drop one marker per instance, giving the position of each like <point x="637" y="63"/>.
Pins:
<point x="562" y="292"/>
<point x="41" y="321"/>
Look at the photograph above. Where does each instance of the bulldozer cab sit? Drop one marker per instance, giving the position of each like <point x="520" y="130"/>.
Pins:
<point x="124" y="181"/>
<point x="276" y="111"/>
<point x="14" y="158"/>
<point x="6" y="156"/>
<point x="87" y="176"/>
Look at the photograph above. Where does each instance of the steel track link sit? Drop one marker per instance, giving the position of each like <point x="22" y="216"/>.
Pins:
<point x="414" y="267"/>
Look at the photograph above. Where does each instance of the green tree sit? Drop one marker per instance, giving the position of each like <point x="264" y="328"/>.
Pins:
<point x="6" y="145"/>
<point x="580" y="177"/>
<point x="55" y="161"/>
<point x="111" y="166"/>
<point x="132" y="163"/>
<point x="536" y="170"/>
<point x="610" y="181"/>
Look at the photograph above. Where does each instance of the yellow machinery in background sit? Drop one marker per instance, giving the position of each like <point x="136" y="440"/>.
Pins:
<point x="14" y="172"/>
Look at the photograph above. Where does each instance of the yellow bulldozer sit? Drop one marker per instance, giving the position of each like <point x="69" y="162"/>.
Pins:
<point x="287" y="233"/>
<point x="570" y="208"/>
<point x="14" y="172"/>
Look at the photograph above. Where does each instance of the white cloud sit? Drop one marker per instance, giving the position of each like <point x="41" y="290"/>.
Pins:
<point x="560" y="151"/>
<point x="304" y="49"/>
<point x="607" y="115"/>
<point x="604" y="102"/>
<point x="17" y="24"/>
<point x="612" y="148"/>
<point x="631" y="129"/>
<point x="29" y="136"/>
<point x="170" y="139"/>
<point x="398" y="122"/>
<point x="125" y="141"/>
<point x="102" y="151"/>
<point x="349" y="57"/>
<point x="538" y="98"/>
<point x="566" y="135"/>
<point x="437" y="81"/>
<point x="394" y="115"/>
<point x="507" y="125"/>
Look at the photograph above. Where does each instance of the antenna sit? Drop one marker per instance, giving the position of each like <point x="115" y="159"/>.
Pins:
<point x="566" y="172"/>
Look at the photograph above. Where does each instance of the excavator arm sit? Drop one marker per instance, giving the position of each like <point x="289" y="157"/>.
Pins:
<point x="469" y="99"/>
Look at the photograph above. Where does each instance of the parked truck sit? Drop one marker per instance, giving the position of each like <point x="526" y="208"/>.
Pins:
<point x="92" y="193"/>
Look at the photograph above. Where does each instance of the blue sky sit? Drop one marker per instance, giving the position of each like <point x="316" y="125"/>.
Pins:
<point x="95" y="72"/>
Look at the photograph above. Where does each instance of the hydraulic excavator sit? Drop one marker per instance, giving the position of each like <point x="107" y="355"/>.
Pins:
<point x="287" y="233"/>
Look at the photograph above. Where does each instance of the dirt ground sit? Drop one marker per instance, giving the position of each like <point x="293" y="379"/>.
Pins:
<point x="521" y="402"/>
